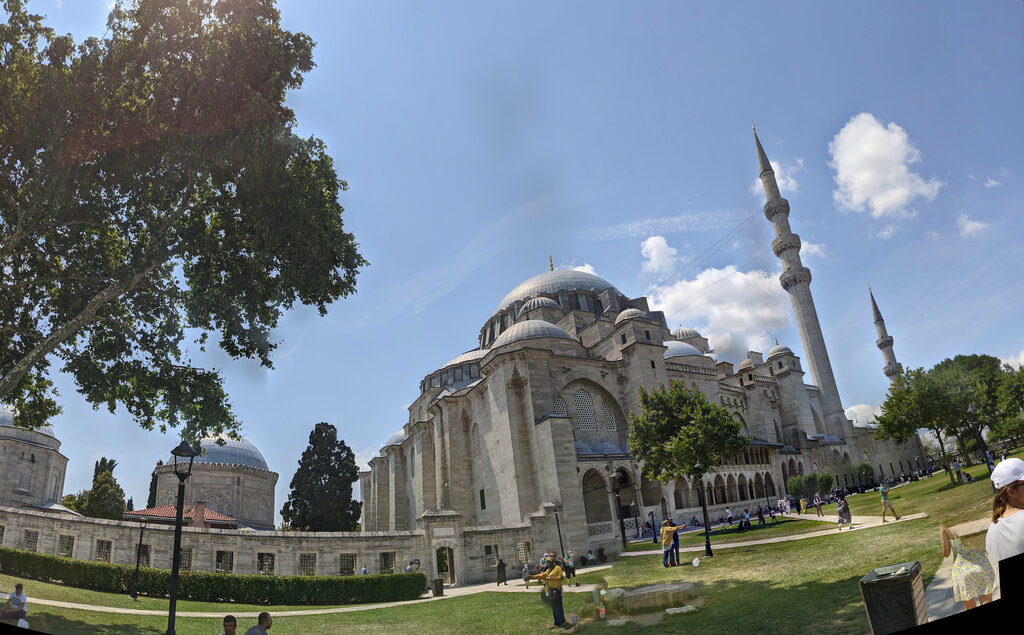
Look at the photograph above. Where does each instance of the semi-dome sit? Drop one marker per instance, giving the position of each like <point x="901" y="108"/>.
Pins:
<point x="553" y="282"/>
<point x="629" y="314"/>
<point x="528" y="330"/>
<point x="396" y="438"/>
<point x="685" y="333"/>
<point x="537" y="303"/>
<point x="7" y="421"/>
<point x="779" y="349"/>
<point x="468" y="356"/>
<point x="680" y="349"/>
<point x="233" y="452"/>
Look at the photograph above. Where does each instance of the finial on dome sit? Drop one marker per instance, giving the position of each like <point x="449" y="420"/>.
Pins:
<point x="551" y="263"/>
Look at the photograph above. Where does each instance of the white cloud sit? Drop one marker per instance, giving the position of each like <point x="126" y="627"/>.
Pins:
<point x="658" y="256"/>
<point x="886" y="232"/>
<point x="992" y="182"/>
<point x="783" y="178"/>
<point x="586" y="268"/>
<point x="363" y="458"/>
<point x="688" y="222"/>
<point x="1014" y="362"/>
<point x="863" y="413"/>
<point x="934" y="235"/>
<point x="872" y="164"/>
<point x="812" y="250"/>
<point x="968" y="227"/>
<point x="735" y="310"/>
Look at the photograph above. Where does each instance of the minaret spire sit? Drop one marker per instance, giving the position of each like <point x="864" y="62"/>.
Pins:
<point x="796" y="281"/>
<point x="892" y="368"/>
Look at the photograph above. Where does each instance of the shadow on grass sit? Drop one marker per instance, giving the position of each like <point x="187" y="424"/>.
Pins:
<point x="42" y="621"/>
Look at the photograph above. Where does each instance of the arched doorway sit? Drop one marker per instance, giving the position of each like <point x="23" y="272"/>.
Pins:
<point x="595" y="498"/>
<point x="444" y="562"/>
<point x="758" y="486"/>
<point x="741" y="484"/>
<point x="721" y="496"/>
<point x="769" y="484"/>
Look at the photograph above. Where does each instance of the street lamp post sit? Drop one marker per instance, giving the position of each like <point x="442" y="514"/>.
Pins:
<point x="182" y="471"/>
<point x="558" y="525"/>
<point x="138" y="561"/>
<point x="704" y="508"/>
<point x="616" y="486"/>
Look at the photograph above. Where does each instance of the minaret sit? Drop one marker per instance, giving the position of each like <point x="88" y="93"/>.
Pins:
<point x="796" y="280"/>
<point x="892" y="368"/>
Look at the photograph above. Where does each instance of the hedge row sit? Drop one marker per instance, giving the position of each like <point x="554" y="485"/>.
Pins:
<point x="215" y="587"/>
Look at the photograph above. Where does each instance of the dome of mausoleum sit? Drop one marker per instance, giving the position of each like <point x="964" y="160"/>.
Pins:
<point x="629" y="314"/>
<point x="683" y="333"/>
<point x="553" y="282"/>
<point x="396" y="438"/>
<point x="528" y="330"/>
<point x="680" y="349"/>
<point x="746" y="364"/>
<point x="779" y="349"/>
<point x="537" y="303"/>
<point x="7" y="420"/>
<point x="233" y="452"/>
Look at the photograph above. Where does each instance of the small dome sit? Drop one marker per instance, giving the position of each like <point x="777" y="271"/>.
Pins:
<point x="680" y="349"/>
<point x="528" y="330"/>
<point x="239" y="452"/>
<point x="7" y="420"/>
<point x="779" y="349"/>
<point x="746" y="364"/>
<point x="603" y="447"/>
<point x="630" y="314"/>
<point x="466" y="357"/>
<point x="396" y="438"/>
<point x="683" y="333"/>
<point x="583" y="448"/>
<point x="553" y="282"/>
<point x="537" y="303"/>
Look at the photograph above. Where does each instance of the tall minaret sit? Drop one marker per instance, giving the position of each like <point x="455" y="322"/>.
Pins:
<point x="892" y="368"/>
<point x="796" y="280"/>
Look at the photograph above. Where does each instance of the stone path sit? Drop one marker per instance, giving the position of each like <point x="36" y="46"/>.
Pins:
<point x="939" y="594"/>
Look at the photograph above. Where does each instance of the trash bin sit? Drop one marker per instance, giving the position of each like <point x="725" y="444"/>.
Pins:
<point x="437" y="586"/>
<point x="894" y="597"/>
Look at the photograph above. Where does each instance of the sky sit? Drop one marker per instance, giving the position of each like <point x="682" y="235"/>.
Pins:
<point x="478" y="139"/>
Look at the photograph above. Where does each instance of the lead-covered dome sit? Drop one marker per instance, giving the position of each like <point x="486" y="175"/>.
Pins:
<point x="553" y="282"/>
<point x="537" y="303"/>
<point x="397" y="438"/>
<point x="528" y="330"/>
<point x="7" y="420"/>
<point x="685" y="333"/>
<point x="629" y="314"/>
<point x="680" y="349"/>
<point x="779" y="349"/>
<point x="468" y="356"/>
<point x="233" y="452"/>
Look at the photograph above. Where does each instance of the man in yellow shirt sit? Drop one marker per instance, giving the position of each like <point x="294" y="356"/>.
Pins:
<point x="668" y="530"/>
<point x="552" y="577"/>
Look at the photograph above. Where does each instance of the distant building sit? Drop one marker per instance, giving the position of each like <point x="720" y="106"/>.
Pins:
<point x="32" y="468"/>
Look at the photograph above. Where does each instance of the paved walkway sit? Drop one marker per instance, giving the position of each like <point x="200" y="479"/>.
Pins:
<point x="939" y="594"/>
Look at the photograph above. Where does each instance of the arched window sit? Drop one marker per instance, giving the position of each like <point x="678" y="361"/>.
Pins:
<point x="560" y="407"/>
<point x="609" y="416"/>
<point x="476" y="440"/>
<point x="585" y="419"/>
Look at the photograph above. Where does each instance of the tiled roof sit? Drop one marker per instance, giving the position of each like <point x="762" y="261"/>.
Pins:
<point x="170" y="512"/>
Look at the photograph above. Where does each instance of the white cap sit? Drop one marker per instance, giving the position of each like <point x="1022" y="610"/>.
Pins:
<point x="1007" y="472"/>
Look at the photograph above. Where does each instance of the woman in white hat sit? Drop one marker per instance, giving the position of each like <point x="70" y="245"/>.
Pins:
<point x="1005" y="536"/>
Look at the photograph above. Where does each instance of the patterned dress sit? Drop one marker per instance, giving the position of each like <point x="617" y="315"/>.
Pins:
<point x="972" y="572"/>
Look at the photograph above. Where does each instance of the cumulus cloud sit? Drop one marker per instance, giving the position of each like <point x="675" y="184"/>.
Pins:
<point x="735" y="310"/>
<point x="658" y="256"/>
<point x="872" y="164"/>
<point x="863" y="413"/>
<point x="1014" y="362"/>
<point x="968" y="227"/>
<point x="934" y="235"/>
<point x="812" y="250"/>
<point x="363" y="458"/>
<point x="585" y="268"/>
<point x="992" y="182"/>
<point x="783" y="178"/>
<point x="886" y="232"/>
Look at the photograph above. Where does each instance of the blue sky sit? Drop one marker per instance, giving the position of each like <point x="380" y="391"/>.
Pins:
<point x="478" y="139"/>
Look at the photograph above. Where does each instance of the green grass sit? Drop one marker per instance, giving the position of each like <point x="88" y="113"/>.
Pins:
<point x="786" y="526"/>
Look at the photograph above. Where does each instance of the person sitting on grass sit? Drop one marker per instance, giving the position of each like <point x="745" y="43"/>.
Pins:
<point x="16" y="606"/>
<point x="230" y="624"/>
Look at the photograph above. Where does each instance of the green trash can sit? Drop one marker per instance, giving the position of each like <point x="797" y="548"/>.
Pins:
<point x="437" y="586"/>
<point x="894" y="597"/>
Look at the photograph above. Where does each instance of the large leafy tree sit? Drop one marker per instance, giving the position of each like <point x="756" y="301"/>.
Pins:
<point x="105" y="499"/>
<point x="321" y="490"/>
<point x="152" y="185"/>
<point x="680" y="433"/>
<point x="916" y="400"/>
<point x="1010" y="397"/>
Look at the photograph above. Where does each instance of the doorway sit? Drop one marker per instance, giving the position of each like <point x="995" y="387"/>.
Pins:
<point x="446" y="564"/>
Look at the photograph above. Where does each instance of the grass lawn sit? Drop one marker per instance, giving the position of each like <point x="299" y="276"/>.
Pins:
<point x="786" y="526"/>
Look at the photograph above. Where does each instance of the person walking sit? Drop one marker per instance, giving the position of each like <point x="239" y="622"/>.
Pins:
<point x="887" y="504"/>
<point x="771" y="512"/>
<point x="843" y="510"/>
<point x="728" y="515"/>
<point x="526" y="575"/>
<point x="570" y="567"/>
<point x="817" y="504"/>
<point x="502" y="573"/>
<point x="974" y="579"/>
<point x="760" y="516"/>
<point x="956" y="469"/>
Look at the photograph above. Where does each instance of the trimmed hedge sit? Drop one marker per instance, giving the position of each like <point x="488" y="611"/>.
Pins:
<point x="215" y="587"/>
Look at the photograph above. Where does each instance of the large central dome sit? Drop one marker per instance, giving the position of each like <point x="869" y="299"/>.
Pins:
<point x="233" y="452"/>
<point x="553" y="282"/>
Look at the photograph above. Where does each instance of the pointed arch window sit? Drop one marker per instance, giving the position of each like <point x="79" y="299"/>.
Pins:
<point x="585" y="419"/>
<point x="476" y="440"/>
<point x="560" y="408"/>
<point x="609" y="416"/>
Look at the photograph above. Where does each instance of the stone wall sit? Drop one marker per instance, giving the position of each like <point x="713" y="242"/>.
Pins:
<point x="32" y="468"/>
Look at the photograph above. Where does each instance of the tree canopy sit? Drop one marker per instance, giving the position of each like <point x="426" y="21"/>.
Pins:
<point x="680" y="433"/>
<point x="105" y="499"/>
<point x="152" y="191"/>
<point x="321" y="490"/>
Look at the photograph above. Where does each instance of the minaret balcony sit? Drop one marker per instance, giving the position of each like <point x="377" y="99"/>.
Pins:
<point x="891" y="370"/>
<point x="793" y="277"/>
<point x="884" y="342"/>
<point x="784" y="243"/>
<point x="775" y="207"/>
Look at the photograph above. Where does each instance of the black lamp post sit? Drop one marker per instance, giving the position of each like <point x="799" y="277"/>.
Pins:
<point x="138" y="561"/>
<point x="182" y="470"/>
<point x="704" y="508"/>
<point x="558" y="525"/>
<point x="616" y="486"/>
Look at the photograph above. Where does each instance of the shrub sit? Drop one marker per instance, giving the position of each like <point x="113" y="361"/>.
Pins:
<point x="215" y="587"/>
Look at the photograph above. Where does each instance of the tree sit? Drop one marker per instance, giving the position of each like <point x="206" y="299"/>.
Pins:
<point x="321" y="490"/>
<point x="807" y="486"/>
<point x="680" y="433"/>
<point x="151" y="500"/>
<point x="1010" y="398"/>
<point x="864" y="473"/>
<point x="104" y="500"/>
<point x="103" y="465"/>
<point x="151" y="182"/>
<point x="129" y="505"/>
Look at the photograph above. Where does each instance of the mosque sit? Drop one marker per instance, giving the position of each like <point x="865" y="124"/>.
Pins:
<point x="510" y="448"/>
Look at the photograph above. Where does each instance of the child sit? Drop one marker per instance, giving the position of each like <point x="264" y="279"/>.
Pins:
<point x="526" y="574"/>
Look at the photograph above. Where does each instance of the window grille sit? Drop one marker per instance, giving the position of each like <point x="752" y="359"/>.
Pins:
<point x="225" y="562"/>
<point x="609" y="416"/>
<point x="143" y="554"/>
<point x="103" y="550"/>
<point x="560" y="407"/>
<point x="347" y="564"/>
<point x="491" y="555"/>
<point x="476" y="440"/>
<point x="585" y="419"/>
<point x="65" y="546"/>
<point x="387" y="562"/>
<point x="186" y="558"/>
<point x="307" y="564"/>
<point x="31" y="540"/>
<point x="523" y="551"/>
<point x="25" y="479"/>
<point x="265" y="563"/>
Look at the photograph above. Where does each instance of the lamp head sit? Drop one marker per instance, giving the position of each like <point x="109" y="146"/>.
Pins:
<point x="180" y="453"/>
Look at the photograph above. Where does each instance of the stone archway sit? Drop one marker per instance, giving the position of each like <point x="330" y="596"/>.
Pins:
<point x="769" y="484"/>
<point x="595" y="497"/>
<point x="445" y="560"/>
<point x="721" y="495"/>
<point x="759" y="491"/>
<point x="741" y="485"/>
